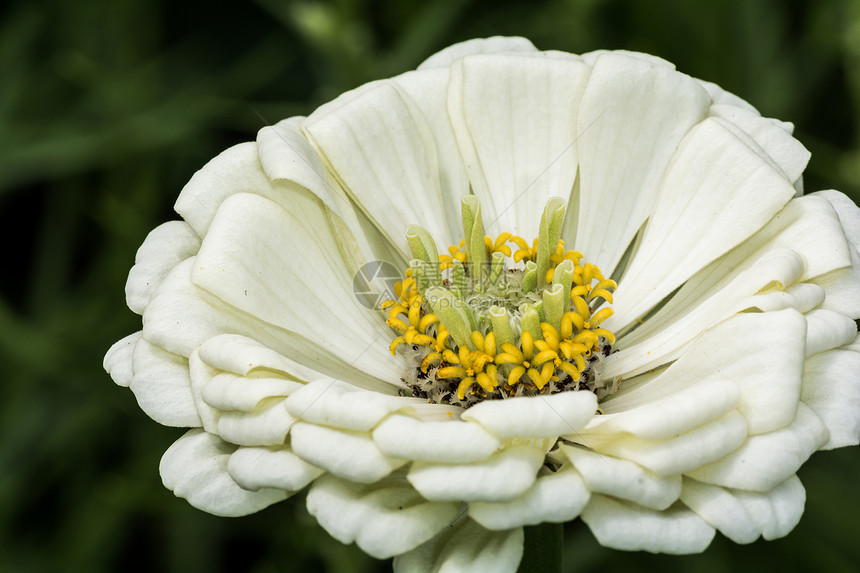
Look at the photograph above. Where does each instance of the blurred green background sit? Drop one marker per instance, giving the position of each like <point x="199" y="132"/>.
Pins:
<point x="107" y="109"/>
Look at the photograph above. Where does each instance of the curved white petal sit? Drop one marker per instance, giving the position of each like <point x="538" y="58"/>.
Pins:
<point x="552" y="498"/>
<point x="255" y="468"/>
<point x="227" y="391"/>
<point x="384" y="519"/>
<point x="428" y="89"/>
<point x="703" y="210"/>
<point x="788" y="153"/>
<point x="493" y="45"/>
<point x="622" y="525"/>
<point x="516" y="154"/>
<point x="350" y="455"/>
<point x="722" y="97"/>
<point x="234" y="170"/>
<point x="765" y="461"/>
<point x="690" y="402"/>
<point x="832" y="389"/>
<point x="675" y="455"/>
<point x="165" y="247"/>
<point x="243" y="355"/>
<point x="195" y="468"/>
<point x="431" y="441"/>
<point x="632" y="117"/>
<point x="591" y="58"/>
<point x="534" y="417"/>
<point x="118" y="359"/>
<point x="248" y="261"/>
<point x="466" y="546"/>
<point x="479" y="481"/>
<point x="267" y="425"/>
<point x="383" y="152"/>
<point x="743" y="516"/>
<point x="162" y="386"/>
<point x="826" y="329"/>
<point x="623" y="479"/>
<point x="341" y="405"/>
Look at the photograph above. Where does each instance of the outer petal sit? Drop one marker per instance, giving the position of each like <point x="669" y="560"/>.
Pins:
<point x="162" y="386"/>
<point x="713" y="172"/>
<point x="479" y="481"/>
<point x="382" y="150"/>
<point x="623" y="479"/>
<point x="629" y="527"/>
<point x="267" y="425"/>
<point x="554" y="498"/>
<point x="384" y="519"/>
<point x="165" y="247"/>
<point x="449" y="441"/>
<point x="195" y="467"/>
<point x="743" y="516"/>
<point x="632" y="117"/>
<point x="765" y="461"/>
<point x="118" y="358"/>
<point x="350" y="455"/>
<point x="466" y="546"/>
<point x="493" y="45"/>
<point x="258" y="468"/>
<point x="517" y="155"/>
<point x="247" y="261"/>
<point x="831" y="388"/>
<point x="534" y="417"/>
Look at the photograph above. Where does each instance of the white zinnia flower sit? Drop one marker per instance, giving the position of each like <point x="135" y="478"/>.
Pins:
<point x="735" y="355"/>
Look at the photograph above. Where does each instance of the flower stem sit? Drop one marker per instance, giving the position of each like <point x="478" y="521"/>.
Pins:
<point x="543" y="548"/>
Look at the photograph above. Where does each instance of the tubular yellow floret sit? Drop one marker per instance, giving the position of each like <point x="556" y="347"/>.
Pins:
<point x="395" y="343"/>
<point x="515" y="375"/>
<point x="600" y="316"/>
<point x="426" y="321"/>
<point x="478" y="340"/>
<point x="465" y="384"/>
<point x="430" y="359"/>
<point x="451" y="372"/>
<point x="528" y="345"/>
<point x="490" y="343"/>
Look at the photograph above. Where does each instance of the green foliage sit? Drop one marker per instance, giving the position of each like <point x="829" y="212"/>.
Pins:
<point x="106" y="110"/>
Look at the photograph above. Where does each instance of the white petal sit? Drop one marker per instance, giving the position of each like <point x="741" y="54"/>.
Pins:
<point x="676" y="455"/>
<point x="227" y="391"/>
<point x="760" y="352"/>
<point x="623" y="479"/>
<point x="765" y="461"/>
<point x="684" y="404"/>
<point x="622" y="525"/>
<point x="777" y="512"/>
<point x="382" y="150"/>
<point x="703" y="210"/>
<point x="448" y="441"/>
<point x="235" y="170"/>
<point x="165" y="247"/>
<point x="258" y="468"/>
<point x="341" y="405"/>
<point x="826" y="329"/>
<point x="591" y="58"/>
<point x="117" y="361"/>
<point x="842" y="287"/>
<point x="743" y="516"/>
<point x="162" y="386"/>
<point x="195" y="468"/>
<point x="248" y="260"/>
<point x="778" y="143"/>
<point x="242" y="355"/>
<point x="479" y="481"/>
<point x="832" y="389"/>
<point x="517" y="155"/>
<point x="428" y="89"/>
<point x="722" y="97"/>
<point x="802" y="241"/>
<point x="384" y="519"/>
<point x="350" y="455"/>
<point x="493" y="45"/>
<point x="466" y="546"/>
<point x="201" y="373"/>
<point x="534" y="417"/>
<point x="267" y="425"/>
<point x="632" y="117"/>
<point x="554" y="498"/>
<point x="849" y="214"/>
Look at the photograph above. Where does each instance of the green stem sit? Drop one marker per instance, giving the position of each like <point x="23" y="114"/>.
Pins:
<point x="542" y="550"/>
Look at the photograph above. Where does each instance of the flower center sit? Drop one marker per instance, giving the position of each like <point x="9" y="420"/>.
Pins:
<point x="491" y="321"/>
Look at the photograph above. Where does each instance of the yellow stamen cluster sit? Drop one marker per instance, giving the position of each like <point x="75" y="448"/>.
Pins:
<point x="533" y="359"/>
